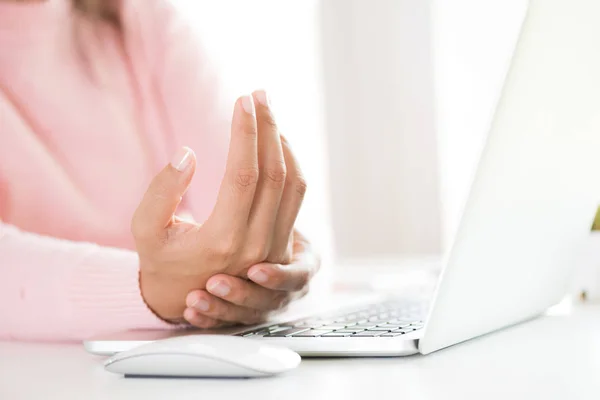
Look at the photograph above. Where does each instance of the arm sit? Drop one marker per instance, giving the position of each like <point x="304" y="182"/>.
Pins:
<point x="52" y="289"/>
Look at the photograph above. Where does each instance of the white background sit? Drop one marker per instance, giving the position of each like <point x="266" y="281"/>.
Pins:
<point x="386" y="103"/>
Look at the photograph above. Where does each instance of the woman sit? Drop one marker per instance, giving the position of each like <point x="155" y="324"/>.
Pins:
<point x="94" y="97"/>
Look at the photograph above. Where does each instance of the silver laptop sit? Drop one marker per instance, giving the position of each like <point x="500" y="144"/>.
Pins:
<point x="531" y="204"/>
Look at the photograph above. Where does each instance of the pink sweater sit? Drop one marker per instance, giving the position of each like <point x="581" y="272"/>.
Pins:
<point x="87" y="117"/>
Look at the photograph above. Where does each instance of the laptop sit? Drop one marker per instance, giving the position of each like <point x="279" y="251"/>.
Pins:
<point x="530" y="207"/>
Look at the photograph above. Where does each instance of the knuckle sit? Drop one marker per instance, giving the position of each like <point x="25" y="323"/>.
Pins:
<point x="276" y="175"/>
<point x="256" y="253"/>
<point x="269" y="120"/>
<point x="250" y="131"/>
<point x="282" y="258"/>
<point x="226" y="247"/>
<point x="300" y="185"/>
<point x="246" y="179"/>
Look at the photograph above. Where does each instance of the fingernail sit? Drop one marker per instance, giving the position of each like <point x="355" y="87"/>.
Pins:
<point x="248" y="104"/>
<point x="201" y="305"/>
<point x="258" y="276"/>
<point x="189" y="314"/>
<point x="220" y="289"/>
<point x="263" y="98"/>
<point x="182" y="159"/>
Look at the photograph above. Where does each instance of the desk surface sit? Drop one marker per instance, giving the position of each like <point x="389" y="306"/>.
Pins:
<point x="553" y="357"/>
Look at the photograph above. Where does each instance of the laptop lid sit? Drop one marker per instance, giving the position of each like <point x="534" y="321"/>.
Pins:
<point x="537" y="185"/>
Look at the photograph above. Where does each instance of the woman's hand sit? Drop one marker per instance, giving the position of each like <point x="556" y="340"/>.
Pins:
<point x="270" y="288"/>
<point x="252" y="221"/>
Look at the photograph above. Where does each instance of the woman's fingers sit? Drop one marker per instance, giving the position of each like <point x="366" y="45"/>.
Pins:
<point x="247" y="294"/>
<point x="263" y="188"/>
<point x="200" y="321"/>
<point x="291" y="201"/>
<point x="272" y="175"/>
<point x="205" y="304"/>
<point x="292" y="277"/>
<point x="155" y="211"/>
<point x="237" y="190"/>
<point x="232" y="299"/>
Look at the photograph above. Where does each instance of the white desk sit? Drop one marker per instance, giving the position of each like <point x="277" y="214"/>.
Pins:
<point x="553" y="357"/>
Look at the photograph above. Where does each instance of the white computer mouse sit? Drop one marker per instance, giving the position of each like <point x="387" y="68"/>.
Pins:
<point x="204" y="356"/>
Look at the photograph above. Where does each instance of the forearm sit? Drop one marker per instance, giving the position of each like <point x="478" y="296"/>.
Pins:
<point x="53" y="289"/>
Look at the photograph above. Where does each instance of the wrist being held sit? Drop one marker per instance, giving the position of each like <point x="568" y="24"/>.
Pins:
<point x="267" y="290"/>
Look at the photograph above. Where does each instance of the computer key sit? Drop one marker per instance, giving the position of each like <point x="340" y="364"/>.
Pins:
<point x="260" y="332"/>
<point x="368" y="334"/>
<point x="336" y="334"/>
<point x="390" y="327"/>
<point x="364" y="326"/>
<point x="309" y="326"/>
<point x="312" y="333"/>
<point x="275" y="328"/>
<point x="287" y="332"/>
<point x="333" y="327"/>
<point x="403" y="330"/>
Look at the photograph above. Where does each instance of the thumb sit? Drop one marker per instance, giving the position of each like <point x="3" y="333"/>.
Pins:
<point x="164" y="194"/>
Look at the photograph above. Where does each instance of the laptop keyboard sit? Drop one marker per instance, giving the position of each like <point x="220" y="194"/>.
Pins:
<point x="388" y="319"/>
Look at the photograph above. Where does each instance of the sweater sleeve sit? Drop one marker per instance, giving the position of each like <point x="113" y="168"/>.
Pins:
<point x="52" y="289"/>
